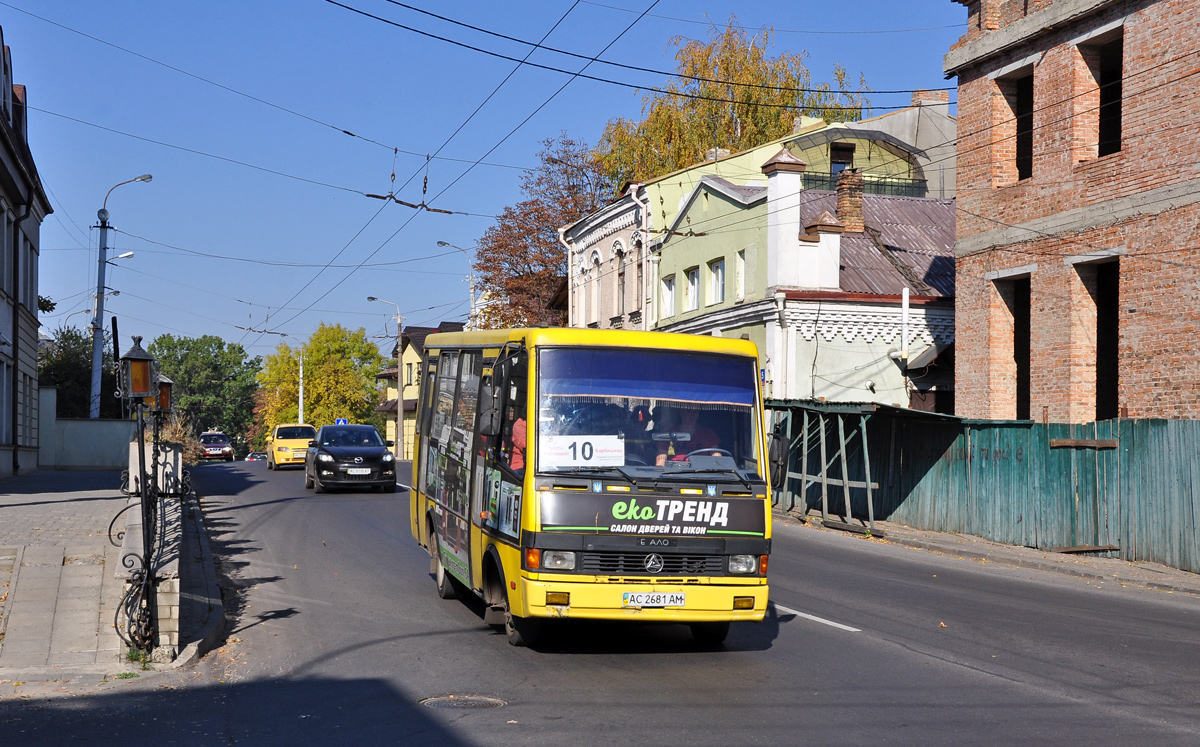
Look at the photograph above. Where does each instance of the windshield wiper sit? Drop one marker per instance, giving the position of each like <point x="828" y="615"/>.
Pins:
<point x="710" y="471"/>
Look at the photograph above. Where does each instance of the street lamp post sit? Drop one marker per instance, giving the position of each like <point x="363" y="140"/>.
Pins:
<point x="399" y="375"/>
<point x="98" y="320"/>
<point x="470" y="282"/>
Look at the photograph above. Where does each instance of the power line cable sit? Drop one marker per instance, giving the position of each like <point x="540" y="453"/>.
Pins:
<point x="443" y="191"/>
<point x="732" y="83"/>
<point x="663" y="91"/>
<point x="788" y="31"/>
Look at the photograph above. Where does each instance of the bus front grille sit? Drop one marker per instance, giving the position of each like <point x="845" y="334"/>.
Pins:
<point x="634" y="563"/>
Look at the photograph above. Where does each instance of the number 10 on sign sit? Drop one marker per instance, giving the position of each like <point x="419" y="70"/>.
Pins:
<point x="582" y="451"/>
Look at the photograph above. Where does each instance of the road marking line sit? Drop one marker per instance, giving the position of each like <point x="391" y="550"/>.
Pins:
<point x="814" y="618"/>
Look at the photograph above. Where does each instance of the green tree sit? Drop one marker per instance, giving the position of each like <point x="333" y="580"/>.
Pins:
<point x="66" y="363"/>
<point x="519" y="261"/>
<point x="737" y="98"/>
<point x="214" y="380"/>
<point x="339" y="380"/>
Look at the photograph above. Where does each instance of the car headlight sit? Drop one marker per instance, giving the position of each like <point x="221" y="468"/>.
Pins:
<point x="558" y="560"/>
<point x="284" y="449"/>
<point x="742" y="563"/>
<point x="323" y="457"/>
<point x="388" y="457"/>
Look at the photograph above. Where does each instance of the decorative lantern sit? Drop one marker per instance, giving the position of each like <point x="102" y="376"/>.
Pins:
<point x="137" y="372"/>
<point x="163" y="403"/>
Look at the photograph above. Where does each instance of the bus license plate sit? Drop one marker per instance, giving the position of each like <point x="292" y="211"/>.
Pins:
<point x="358" y="471"/>
<point x="652" y="599"/>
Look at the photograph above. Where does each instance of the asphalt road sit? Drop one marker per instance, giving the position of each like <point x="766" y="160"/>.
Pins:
<point x="336" y="633"/>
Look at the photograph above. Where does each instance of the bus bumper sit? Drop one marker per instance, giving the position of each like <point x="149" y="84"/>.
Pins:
<point x="606" y="601"/>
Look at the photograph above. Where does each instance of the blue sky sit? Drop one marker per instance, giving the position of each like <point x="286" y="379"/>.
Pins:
<point x="250" y="202"/>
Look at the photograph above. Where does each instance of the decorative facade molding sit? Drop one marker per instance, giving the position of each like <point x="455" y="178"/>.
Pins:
<point x="867" y="323"/>
<point x="606" y="229"/>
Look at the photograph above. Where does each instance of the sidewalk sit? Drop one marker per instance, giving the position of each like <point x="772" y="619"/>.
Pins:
<point x="60" y="584"/>
<point x="1106" y="569"/>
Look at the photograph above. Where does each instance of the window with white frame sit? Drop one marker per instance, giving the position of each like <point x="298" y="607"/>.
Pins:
<point x="667" y="299"/>
<point x="716" y="281"/>
<point x="693" y="289"/>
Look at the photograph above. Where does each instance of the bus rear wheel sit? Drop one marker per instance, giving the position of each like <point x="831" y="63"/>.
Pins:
<point x="710" y="633"/>
<point x="445" y="584"/>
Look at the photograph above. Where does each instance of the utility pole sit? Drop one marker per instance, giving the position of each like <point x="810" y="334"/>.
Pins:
<point x="399" y="375"/>
<point x="97" y="321"/>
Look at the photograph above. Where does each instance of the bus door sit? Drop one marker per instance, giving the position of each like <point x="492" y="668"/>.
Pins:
<point x="500" y="472"/>
<point x="425" y="406"/>
<point x="449" y="457"/>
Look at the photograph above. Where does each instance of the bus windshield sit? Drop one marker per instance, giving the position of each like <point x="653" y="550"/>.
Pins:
<point x="649" y="409"/>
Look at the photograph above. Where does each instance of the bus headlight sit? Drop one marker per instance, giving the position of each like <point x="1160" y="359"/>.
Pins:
<point x="558" y="560"/>
<point x="742" y="563"/>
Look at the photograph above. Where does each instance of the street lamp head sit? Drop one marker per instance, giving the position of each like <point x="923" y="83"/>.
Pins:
<point x="372" y="298"/>
<point x="443" y="243"/>
<point x="124" y="255"/>
<point x="143" y="178"/>
<point x="102" y="214"/>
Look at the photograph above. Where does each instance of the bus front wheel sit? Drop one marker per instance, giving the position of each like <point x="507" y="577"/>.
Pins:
<point x="710" y="633"/>
<point x="520" y="631"/>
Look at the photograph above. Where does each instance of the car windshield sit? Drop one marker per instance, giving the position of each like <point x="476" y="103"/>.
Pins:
<point x="650" y="409"/>
<point x="296" y="432"/>
<point x="213" y="438"/>
<point x="351" y="437"/>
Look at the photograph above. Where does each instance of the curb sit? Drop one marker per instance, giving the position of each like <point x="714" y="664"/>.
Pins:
<point x="1014" y="561"/>
<point x="214" y="624"/>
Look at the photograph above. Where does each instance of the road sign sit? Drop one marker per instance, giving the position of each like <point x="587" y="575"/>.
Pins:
<point x="341" y="421"/>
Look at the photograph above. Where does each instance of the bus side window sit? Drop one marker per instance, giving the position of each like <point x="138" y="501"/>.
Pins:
<point x="514" y="429"/>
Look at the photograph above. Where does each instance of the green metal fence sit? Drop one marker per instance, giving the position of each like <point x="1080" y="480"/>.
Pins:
<point x="1129" y="485"/>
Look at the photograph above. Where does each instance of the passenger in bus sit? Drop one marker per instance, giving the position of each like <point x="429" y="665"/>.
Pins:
<point x="517" y="457"/>
<point x="698" y="437"/>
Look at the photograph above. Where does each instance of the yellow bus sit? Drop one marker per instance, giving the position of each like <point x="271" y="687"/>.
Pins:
<point x="594" y="474"/>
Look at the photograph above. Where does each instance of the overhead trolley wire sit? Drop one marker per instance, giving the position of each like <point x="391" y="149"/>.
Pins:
<point x="624" y="66"/>
<point x="623" y="84"/>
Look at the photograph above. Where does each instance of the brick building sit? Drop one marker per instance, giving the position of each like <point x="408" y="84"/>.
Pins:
<point x="1078" y="231"/>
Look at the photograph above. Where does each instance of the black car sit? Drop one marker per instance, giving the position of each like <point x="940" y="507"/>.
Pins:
<point x="349" y="456"/>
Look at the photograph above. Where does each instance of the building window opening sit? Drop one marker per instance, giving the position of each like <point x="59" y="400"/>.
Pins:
<point x="841" y="157"/>
<point x="693" y="289"/>
<point x="1022" y="105"/>
<point x="1109" y="80"/>
<point x="1015" y="294"/>
<point x="716" y="274"/>
<point x="1107" y="295"/>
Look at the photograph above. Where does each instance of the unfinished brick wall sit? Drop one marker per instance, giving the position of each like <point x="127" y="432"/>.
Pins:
<point x="1159" y="284"/>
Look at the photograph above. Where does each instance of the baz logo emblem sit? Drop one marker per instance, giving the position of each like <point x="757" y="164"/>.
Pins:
<point x="653" y="562"/>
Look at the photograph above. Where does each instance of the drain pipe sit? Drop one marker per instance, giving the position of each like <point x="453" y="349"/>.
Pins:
<point x="644" y="293"/>
<point x="562" y="239"/>
<point x="904" y="327"/>
<point x="782" y="354"/>
<point x="16" y="336"/>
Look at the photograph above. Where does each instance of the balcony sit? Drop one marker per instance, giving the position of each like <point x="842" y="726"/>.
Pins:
<point x="871" y="185"/>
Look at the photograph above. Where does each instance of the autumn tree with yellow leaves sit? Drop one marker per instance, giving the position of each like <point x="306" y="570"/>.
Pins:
<point x="727" y="93"/>
<point x="339" y="380"/>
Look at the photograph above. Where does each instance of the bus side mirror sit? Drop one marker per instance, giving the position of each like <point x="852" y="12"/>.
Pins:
<point x="777" y="458"/>
<point x="489" y="413"/>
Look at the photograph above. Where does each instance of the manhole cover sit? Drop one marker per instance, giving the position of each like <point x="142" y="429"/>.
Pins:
<point x="462" y="701"/>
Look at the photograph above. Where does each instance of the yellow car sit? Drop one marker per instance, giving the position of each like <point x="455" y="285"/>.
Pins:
<point x="287" y="443"/>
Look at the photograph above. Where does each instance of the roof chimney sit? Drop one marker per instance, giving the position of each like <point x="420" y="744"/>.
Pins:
<point x="922" y="97"/>
<point x="850" y="199"/>
<point x="785" y="184"/>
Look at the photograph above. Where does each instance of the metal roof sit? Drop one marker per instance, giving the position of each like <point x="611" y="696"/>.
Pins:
<point x="909" y="241"/>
